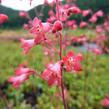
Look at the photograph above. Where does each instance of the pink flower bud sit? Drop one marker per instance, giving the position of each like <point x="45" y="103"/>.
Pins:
<point x="57" y="26"/>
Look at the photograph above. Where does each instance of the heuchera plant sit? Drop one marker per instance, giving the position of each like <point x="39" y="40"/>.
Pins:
<point x="70" y="62"/>
<point x="53" y="72"/>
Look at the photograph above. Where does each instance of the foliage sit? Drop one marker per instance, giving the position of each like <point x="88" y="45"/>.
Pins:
<point x="16" y="21"/>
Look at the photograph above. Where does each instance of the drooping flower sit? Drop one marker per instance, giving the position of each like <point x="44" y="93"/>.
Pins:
<point x="52" y="74"/>
<point x="72" y="61"/>
<point x="21" y="75"/>
<point x="27" y="44"/>
<point x="3" y="18"/>
<point x="18" y="80"/>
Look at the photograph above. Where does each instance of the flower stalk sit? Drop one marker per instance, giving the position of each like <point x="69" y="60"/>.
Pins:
<point x="62" y="83"/>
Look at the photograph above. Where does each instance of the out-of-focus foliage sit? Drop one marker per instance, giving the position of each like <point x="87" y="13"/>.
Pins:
<point x="98" y="80"/>
<point x="16" y="21"/>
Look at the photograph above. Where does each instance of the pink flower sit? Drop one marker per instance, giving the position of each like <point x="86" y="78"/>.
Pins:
<point x="3" y="18"/>
<point x="99" y="13"/>
<point x="57" y="26"/>
<point x="105" y="102"/>
<point x="18" y="80"/>
<point x="93" y="19"/>
<point x="21" y="75"/>
<point x="52" y="74"/>
<point x="73" y="10"/>
<point x="38" y="27"/>
<point x="27" y="44"/>
<point x="46" y="27"/>
<point x="23" y="14"/>
<point x="83" y="24"/>
<point x="86" y="12"/>
<point x="72" y="61"/>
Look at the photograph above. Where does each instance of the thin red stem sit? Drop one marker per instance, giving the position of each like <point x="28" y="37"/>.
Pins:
<point x="57" y="9"/>
<point x="62" y="84"/>
<point x="60" y="55"/>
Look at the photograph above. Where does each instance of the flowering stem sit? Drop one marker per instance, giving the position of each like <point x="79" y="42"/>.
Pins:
<point x="62" y="84"/>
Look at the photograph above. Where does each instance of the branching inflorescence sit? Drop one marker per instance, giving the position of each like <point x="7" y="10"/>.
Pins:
<point x="43" y="35"/>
